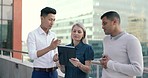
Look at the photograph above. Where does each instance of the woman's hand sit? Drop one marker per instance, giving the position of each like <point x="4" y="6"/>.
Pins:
<point x="74" y="61"/>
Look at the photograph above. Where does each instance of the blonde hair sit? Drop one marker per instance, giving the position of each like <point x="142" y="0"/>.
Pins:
<point x="84" y="31"/>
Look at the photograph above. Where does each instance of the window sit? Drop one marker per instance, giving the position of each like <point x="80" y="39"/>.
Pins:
<point x="6" y="24"/>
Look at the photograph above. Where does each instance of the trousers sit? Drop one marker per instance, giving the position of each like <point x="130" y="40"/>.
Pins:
<point x="43" y="74"/>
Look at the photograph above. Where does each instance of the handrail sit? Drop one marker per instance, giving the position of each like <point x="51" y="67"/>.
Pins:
<point x="10" y="50"/>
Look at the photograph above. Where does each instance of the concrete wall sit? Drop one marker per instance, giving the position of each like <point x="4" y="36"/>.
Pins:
<point x="15" y="68"/>
<point x="12" y="68"/>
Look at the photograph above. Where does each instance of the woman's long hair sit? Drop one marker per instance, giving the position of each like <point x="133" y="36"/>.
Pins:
<point x="84" y="31"/>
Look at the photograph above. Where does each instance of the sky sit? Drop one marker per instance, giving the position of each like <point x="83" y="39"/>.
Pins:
<point x="65" y="8"/>
<point x="31" y="15"/>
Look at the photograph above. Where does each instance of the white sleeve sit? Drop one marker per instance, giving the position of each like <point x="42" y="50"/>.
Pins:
<point x="31" y="45"/>
<point x="54" y="52"/>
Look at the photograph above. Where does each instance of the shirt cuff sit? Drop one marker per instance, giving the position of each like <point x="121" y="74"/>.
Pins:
<point x="109" y="64"/>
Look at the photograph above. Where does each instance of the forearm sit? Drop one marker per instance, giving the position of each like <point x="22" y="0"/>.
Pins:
<point x="84" y="68"/>
<point x="134" y="69"/>
<point x="43" y="51"/>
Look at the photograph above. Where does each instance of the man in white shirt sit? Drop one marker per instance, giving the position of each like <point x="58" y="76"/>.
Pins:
<point x="42" y="45"/>
<point x="122" y="55"/>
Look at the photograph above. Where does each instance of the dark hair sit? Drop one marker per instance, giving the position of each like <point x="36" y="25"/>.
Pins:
<point x="47" y="10"/>
<point x="111" y="15"/>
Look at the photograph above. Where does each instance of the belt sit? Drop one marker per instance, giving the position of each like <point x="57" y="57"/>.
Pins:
<point x="45" y="69"/>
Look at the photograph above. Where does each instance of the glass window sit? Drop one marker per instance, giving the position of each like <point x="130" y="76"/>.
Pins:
<point x="6" y="34"/>
<point x="0" y="12"/>
<point x="3" y="29"/>
<point x="7" y="12"/>
<point x="7" y="2"/>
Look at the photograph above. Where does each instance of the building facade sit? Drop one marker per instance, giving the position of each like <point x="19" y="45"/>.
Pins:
<point x="11" y="25"/>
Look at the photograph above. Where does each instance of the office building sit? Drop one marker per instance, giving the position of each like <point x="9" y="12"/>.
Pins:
<point x="11" y="25"/>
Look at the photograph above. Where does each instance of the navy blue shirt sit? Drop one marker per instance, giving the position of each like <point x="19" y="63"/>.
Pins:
<point x="84" y="52"/>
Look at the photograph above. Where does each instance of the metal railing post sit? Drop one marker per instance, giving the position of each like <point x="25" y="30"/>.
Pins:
<point x="2" y="52"/>
<point x="97" y="71"/>
<point x="10" y="54"/>
<point x="22" y="58"/>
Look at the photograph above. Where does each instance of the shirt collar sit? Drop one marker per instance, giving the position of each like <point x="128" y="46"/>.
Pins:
<point x="79" y="45"/>
<point x="117" y="36"/>
<point x="41" y="31"/>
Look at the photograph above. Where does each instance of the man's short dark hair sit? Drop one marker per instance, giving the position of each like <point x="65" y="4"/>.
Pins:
<point x="47" y="10"/>
<point x="111" y="15"/>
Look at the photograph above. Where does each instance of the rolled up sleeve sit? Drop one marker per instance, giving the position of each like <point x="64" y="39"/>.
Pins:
<point x="31" y="45"/>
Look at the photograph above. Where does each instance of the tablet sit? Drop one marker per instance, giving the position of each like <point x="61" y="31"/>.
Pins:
<point x="65" y="53"/>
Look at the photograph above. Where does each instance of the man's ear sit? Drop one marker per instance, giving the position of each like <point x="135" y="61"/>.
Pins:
<point x="42" y="17"/>
<point x="116" y="21"/>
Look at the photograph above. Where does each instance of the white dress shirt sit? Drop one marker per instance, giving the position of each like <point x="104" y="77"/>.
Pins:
<point x="38" y="40"/>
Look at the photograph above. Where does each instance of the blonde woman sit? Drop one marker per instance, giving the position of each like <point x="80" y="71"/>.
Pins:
<point x="84" y="54"/>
